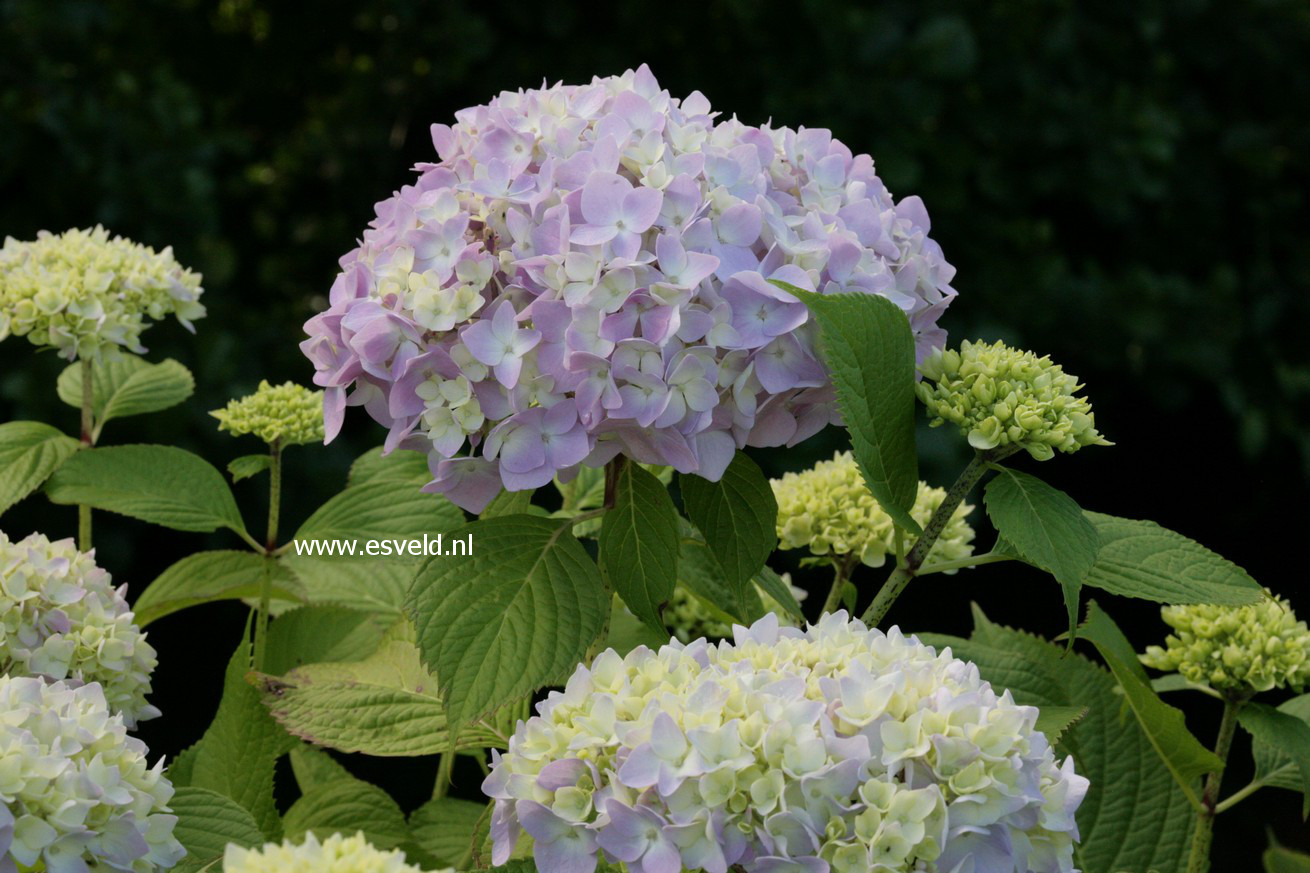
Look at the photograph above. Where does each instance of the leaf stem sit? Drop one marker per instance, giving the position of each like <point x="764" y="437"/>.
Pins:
<point x="445" y="766"/>
<point x="1238" y="796"/>
<point x="1198" y="859"/>
<point x="88" y="440"/>
<point x="266" y="579"/>
<point x="842" y="568"/>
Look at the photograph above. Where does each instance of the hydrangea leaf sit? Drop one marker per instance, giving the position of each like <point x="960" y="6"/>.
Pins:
<point x="701" y="574"/>
<point x="318" y="634"/>
<point x="239" y="750"/>
<point x="1046" y="527"/>
<point x="445" y="828"/>
<point x="773" y="585"/>
<point x="627" y="632"/>
<point x="1182" y="753"/>
<point x="1280" y="859"/>
<point x="29" y="452"/>
<point x="508" y="503"/>
<point x="1142" y="559"/>
<point x="639" y="544"/>
<point x="162" y="485"/>
<point x="373" y="584"/>
<point x="206" y="822"/>
<point x="127" y="385"/>
<point x="1054" y="720"/>
<point x="205" y="577"/>
<point x="381" y="510"/>
<point x="517" y="614"/>
<point x="314" y="768"/>
<point x="401" y="466"/>
<point x="1287" y="735"/>
<point x="1135" y="817"/>
<point x="248" y="465"/>
<point x="347" y="806"/>
<point x="737" y="517"/>
<point x="1272" y="766"/>
<point x="868" y="347"/>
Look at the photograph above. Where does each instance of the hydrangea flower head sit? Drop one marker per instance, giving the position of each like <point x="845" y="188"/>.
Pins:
<point x="584" y="272"/>
<point x="62" y="619"/>
<point x="829" y="510"/>
<point x="75" y="791"/>
<point x="689" y="618"/>
<point x="1000" y="396"/>
<point x="1239" y="649"/>
<point x="335" y="854"/>
<point x="286" y="414"/>
<point x="834" y="748"/>
<point x="86" y="295"/>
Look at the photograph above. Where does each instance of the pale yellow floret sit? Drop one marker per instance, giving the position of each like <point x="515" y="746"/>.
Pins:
<point x="335" y="854"/>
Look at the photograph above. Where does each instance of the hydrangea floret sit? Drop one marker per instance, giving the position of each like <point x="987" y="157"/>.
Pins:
<point x="335" y="854"/>
<point x="1235" y="649"/>
<point x="286" y="414"/>
<point x="75" y="791"/>
<point x="62" y="618"/>
<point x="829" y="510"/>
<point x="688" y="617"/>
<point x="834" y="748"/>
<point x="584" y="272"/>
<point x="1001" y="396"/>
<point x="86" y="294"/>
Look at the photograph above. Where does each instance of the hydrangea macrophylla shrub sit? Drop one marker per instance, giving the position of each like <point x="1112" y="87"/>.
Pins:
<point x="335" y="854"/>
<point x="286" y="414"/>
<point x="61" y="618"/>
<point x="829" y="510"/>
<point x="1235" y="649"/>
<point x="833" y="748"/>
<point x="75" y="791"/>
<point x="86" y="294"/>
<point x="584" y="272"/>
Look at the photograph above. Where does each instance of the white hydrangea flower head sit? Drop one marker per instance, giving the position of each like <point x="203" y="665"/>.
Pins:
<point x="834" y="748"/>
<point x="62" y="619"/>
<point x="75" y="791"/>
<point x="335" y="854"/>
<point x="86" y="295"/>
<point x="829" y="510"/>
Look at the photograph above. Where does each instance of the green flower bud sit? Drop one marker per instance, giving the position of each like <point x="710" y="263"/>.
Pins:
<point x="1235" y="648"/>
<point x="829" y="511"/>
<point x="999" y="396"/>
<point x="286" y="414"/>
<point x="87" y="295"/>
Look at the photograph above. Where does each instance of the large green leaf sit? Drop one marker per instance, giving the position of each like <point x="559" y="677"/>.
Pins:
<point x="238" y="752"/>
<point x="205" y="577"/>
<point x="381" y="510"/>
<point x="29" y="452"/>
<point x="1164" y="725"/>
<point x="163" y="485"/>
<point x="127" y="385"/>
<point x="517" y="614"/>
<point x="1046" y="527"/>
<point x="347" y="806"/>
<point x="444" y="827"/>
<point x="206" y="822"/>
<point x="372" y="584"/>
<point x="627" y="632"/>
<point x="1134" y="818"/>
<point x="319" y="634"/>
<point x="314" y="768"/>
<point x="639" y="544"/>
<point x="701" y="574"/>
<point x="402" y="466"/>
<point x="1272" y="766"/>
<point x="738" y="516"/>
<point x="1141" y="559"/>
<point x="1284" y="733"/>
<point x="868" y="347"/>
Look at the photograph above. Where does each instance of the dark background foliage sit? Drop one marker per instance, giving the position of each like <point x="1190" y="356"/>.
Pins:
<point x="1121" y="184"/>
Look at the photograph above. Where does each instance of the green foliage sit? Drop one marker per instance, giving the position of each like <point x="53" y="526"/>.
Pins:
<point x="1287" y="736"/>
<point x="347" y="805"/>
<point x="508" y="503"/>
<point x="639" y="544"/>
<point x="445" y="828"/>
<point x="1272" y="766"/>
<point x="205" y="577"/>
<point x="737" y="517"/>
<point x="206" y="822"/>
<point x="127" y="385"/>
<point x="29" y="452"/>
<point x="248" y="465"/>
<point x="401" y="466"/>
<point x="381" y="509"/>
<point x="314" y="768"/>
<point x="773" y="585"/>
<point x="702" y="574"/>
<point x="316" y="634"/>
<point x="1280" y="859"/>
<point x="373" y="584"/>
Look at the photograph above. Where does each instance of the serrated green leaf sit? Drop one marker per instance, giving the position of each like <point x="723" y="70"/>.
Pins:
<point x="738" y="518"/>
<point x="1284" y="733"/>
<point x="319" y="634"/>
<point x="205" y="577"/>
<point x="517" y="614"/>
<point x="639" y="544"/>
<point x="1134" y="816"/>
<point x="29" y="452"/>
<point x="248" y="465"/>
<point x="508" y="503"/>
<point x="206" y="822"/>
<point x="239" y="750"/>
<point x="868" y="346"/>
<point x="1047" y="529"/>
<point x="1054" y="720"/>
<point x="401" y="466"/>
<point x="702" y="575"/>
<point x="162" y="485"/>
<point x="444" y="827"/>
<point x="347" y="806"/>
<point x="1181" y="752"/>
<point x="370" y="584"/>
<point x="126" y="386"/>
<point x="776" y="587"/>
<point x="1142" y="559"/>
<point x="314" y="768"/>
<point x="1272" y="767"/>
<point x="381" y="510"/>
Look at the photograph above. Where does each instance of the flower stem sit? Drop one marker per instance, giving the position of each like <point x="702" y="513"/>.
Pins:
<point x="266" y="580"/>
<point x="1198" y="859"/>
<point x="612" y="472"/>
<point x="445" y="766"/>
<point x="842" y="570"/>
<point x="88" y="440"/>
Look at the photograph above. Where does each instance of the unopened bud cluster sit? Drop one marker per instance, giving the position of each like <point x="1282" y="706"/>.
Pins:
<point x="286" y="414"/>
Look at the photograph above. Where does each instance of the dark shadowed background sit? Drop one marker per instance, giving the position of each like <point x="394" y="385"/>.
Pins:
<point x="1121" y="184"/>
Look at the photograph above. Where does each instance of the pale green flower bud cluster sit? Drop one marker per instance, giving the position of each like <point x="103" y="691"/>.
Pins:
<point x="1235" y="648"/>
<point x="286" y="414"/>
<point x="689" y="618"/>
<point x="75" y="791"/>
<point x="86" y="294"/>
<point x="829" y="510"/>
<point x="335" y="854"/>
<point x="999" y="396"/>
<point x="62" y="618"/>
